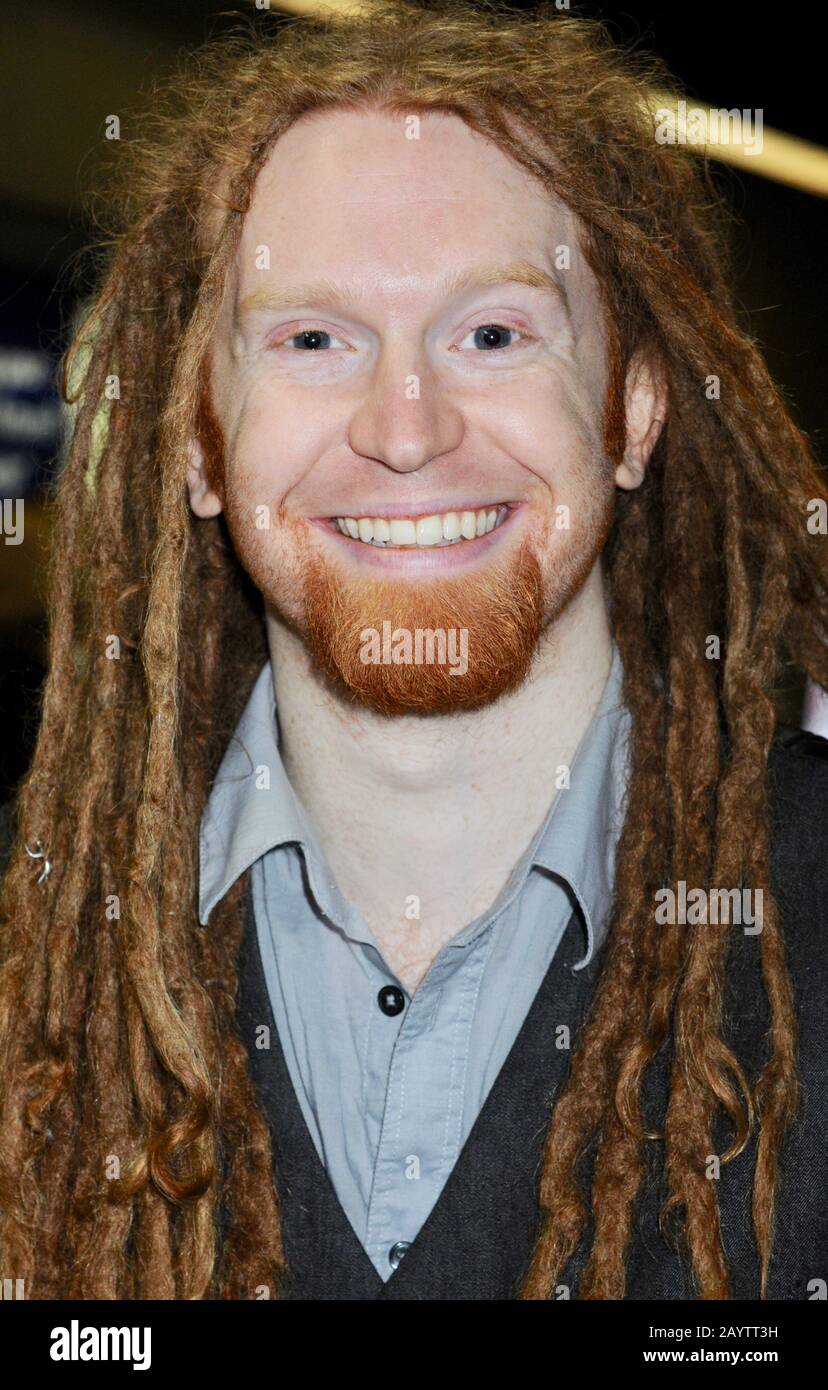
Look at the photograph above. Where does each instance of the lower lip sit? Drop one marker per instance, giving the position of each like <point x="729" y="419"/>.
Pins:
<point x="417" y="559"/>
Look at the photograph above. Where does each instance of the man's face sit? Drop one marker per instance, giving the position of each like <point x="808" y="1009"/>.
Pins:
<point x="411" y="433"/>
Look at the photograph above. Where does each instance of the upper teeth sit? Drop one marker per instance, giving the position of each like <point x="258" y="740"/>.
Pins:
<point x="424" y="530"/>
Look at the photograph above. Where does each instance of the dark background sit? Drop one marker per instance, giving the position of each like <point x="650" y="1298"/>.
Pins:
<point x="68" y="64"/>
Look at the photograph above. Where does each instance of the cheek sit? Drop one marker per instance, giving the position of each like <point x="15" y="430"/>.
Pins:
<point x="561" y="444"/>
<point x="268" y="550"/>
<point x="551" y="418"/>
<point x="269" y="452"/>
<point x="576" y="478"/>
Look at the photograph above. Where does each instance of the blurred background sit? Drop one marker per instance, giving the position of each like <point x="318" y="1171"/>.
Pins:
<point x="70" y="64"/>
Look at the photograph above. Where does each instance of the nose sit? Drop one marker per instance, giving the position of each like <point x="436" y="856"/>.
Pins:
<point x="406" y="418"/>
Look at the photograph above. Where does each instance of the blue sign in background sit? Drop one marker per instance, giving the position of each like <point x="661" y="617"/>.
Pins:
<point x="31" y="413"/>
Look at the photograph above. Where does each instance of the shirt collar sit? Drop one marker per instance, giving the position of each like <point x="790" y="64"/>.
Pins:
<point x="577" y="842"/>
<point x="252" y="808"/>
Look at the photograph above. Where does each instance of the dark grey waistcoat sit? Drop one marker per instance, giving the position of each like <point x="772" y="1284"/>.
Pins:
<point x="478" y="1238"/>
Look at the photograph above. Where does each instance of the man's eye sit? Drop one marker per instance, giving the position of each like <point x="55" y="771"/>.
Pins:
<point x="490" y="336"/>
<point x="310" y="340"/>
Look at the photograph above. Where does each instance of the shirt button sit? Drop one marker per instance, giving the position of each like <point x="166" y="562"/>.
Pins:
<point x="397" y="1251"/>
<point x="392" y="1001"/>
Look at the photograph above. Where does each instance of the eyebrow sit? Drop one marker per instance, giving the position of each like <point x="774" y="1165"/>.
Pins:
<point x="325" y="293"/>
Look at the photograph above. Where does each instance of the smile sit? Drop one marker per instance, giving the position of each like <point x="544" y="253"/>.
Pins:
<point x="438" y="530"/>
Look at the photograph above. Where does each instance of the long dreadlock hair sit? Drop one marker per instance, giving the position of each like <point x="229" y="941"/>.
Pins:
<point x="129" y="1122"/>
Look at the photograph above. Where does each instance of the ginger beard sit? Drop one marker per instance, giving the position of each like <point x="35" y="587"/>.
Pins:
<point x="496" y="614"/>
<point x="503" y="605"/>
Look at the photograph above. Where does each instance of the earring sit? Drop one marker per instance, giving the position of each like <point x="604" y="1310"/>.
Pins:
<point x="39" y="854"/>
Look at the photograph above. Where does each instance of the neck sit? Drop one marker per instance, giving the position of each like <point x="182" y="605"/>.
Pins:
<point x="436" y="807"/>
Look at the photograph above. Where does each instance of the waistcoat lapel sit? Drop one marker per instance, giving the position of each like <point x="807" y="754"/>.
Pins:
<point x="479" y="1235"/>
<point x="324" y="1256"/>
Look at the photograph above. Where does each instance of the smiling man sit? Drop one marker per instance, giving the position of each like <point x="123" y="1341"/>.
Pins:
<point x="414" y="323"/>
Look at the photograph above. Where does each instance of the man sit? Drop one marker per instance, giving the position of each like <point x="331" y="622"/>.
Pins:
<point x="410" y="896"/>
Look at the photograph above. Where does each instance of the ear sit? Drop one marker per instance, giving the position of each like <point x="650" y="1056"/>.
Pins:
<point x="645" y="409"/>
<point x="203" y="500"/>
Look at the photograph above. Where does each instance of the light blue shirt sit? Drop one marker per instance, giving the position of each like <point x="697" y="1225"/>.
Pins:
<point x="390" y="1101"/>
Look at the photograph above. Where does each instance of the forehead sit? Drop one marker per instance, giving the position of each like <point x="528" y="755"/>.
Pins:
<point x="393" y="203"/>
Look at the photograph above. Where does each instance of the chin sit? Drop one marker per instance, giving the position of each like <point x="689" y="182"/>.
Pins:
<point x="441" y="642"/>
<point x="453" y="642"/>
